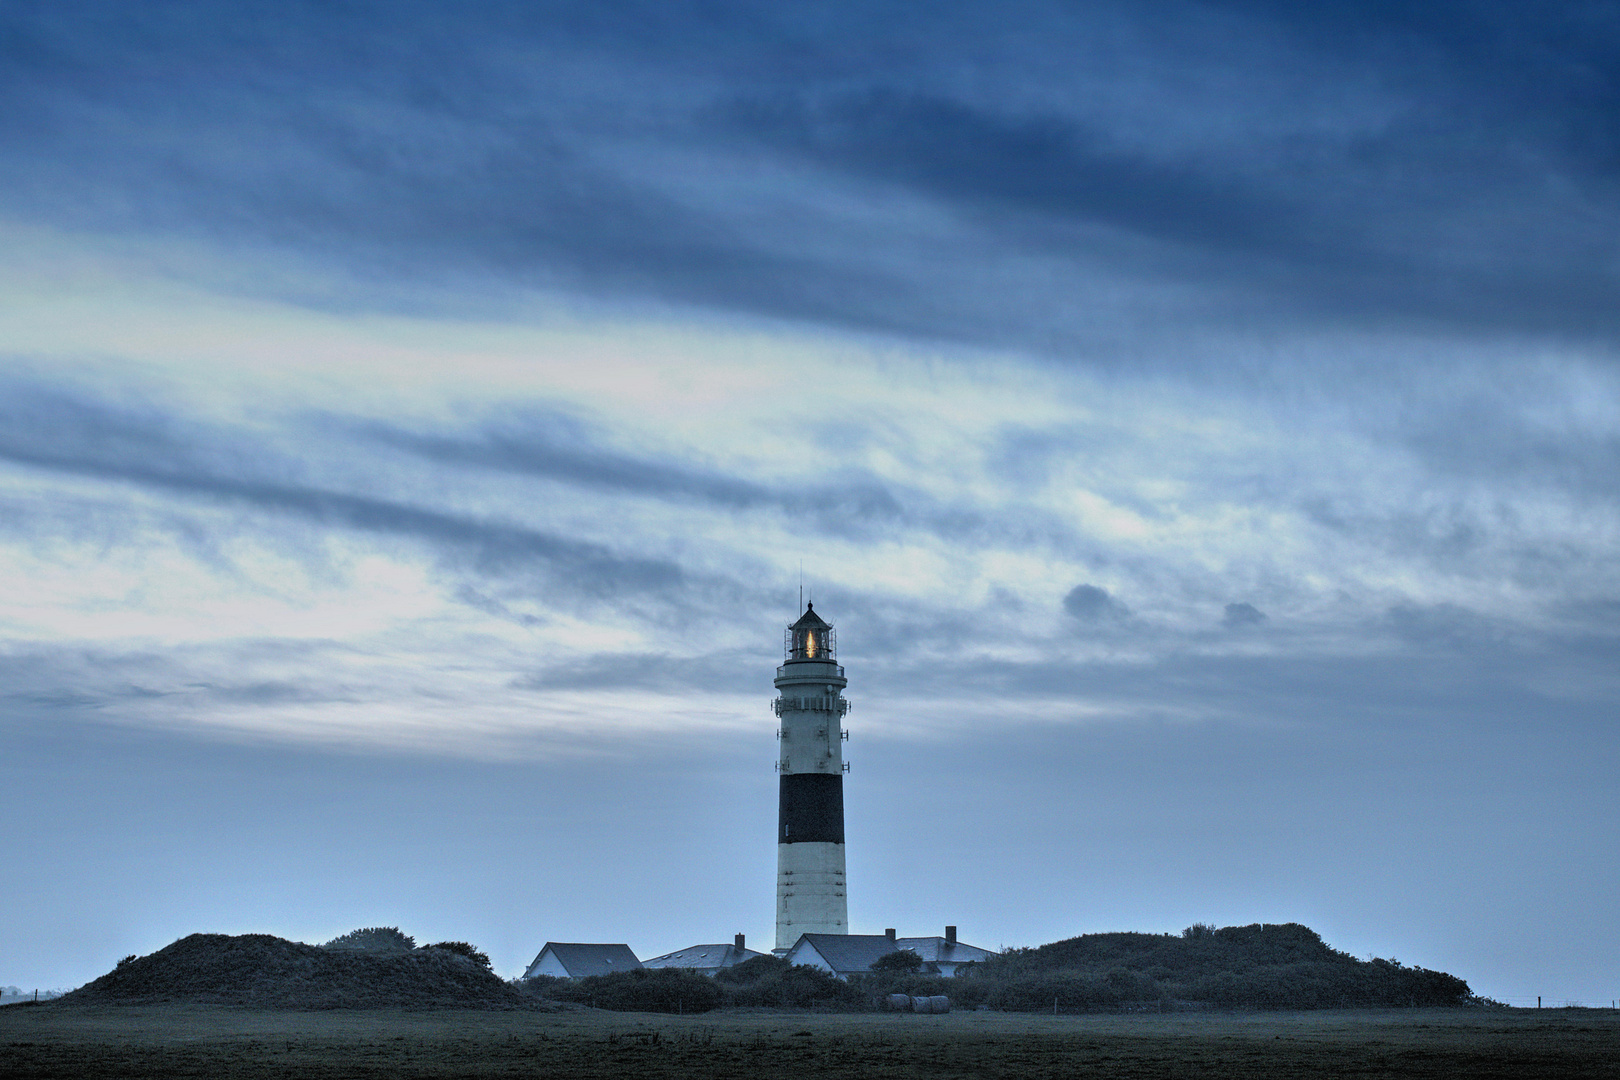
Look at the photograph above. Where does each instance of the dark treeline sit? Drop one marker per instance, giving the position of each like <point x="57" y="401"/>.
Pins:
<point x="1284" y="966"/>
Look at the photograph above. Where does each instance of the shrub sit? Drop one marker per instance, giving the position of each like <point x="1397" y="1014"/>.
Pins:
<point x="268" y="972"/>
<point x="751" y="971"/>
<point x="901" y="961"/>
<point x="665" y="990"/>
<point x="1268" y="966"/>
<point x="373" y="939"/>
<point x="797" y="986"/>
<point x="461" y="948"/>
<point x="545" y="987"/>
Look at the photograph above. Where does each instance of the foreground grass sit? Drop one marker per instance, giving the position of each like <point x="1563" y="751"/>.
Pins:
<point x="218" y="1041"/>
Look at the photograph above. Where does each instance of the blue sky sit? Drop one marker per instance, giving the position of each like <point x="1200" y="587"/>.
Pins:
<point x="1200" y="420"/>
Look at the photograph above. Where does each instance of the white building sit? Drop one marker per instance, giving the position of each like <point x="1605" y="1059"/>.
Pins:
<point x="577" y="959"/>
<point x="852" y="954"/>
<point x="705" y="959"/>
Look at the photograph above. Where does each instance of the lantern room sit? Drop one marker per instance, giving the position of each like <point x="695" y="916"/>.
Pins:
<point x="811" y="638"/>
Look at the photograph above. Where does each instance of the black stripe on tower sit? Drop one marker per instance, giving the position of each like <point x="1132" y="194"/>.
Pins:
<point x="812" y="810"/>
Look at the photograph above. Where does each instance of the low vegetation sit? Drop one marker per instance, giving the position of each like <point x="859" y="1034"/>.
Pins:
<point x="761" y="982"/>
<point x="137" y="1043"/>
<point x="1251" y="967"/>
<point x="1284" y="966"/>
<point x="461" y="948"/>
<point x="1260" y="966"/>
<point x="660" y="990"/>
<point x="373" y="939"/>
<point x="379" y="968"/>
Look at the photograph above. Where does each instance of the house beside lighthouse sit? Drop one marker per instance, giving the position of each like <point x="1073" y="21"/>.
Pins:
<point x="810" y="890"/>
<point x="812" y="905"/>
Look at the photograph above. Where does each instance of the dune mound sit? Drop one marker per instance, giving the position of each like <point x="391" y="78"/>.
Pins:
<point x="271" y="972"/>
<point x="1263" y="966"/>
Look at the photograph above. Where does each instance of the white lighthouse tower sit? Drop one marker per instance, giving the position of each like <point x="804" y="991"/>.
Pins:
<point x="810" y="824"/>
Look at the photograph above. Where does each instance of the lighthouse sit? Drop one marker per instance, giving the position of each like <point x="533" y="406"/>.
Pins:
<point x="810" y="893"/>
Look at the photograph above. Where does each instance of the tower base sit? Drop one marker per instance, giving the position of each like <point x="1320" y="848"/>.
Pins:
<point x="810" y="892"/>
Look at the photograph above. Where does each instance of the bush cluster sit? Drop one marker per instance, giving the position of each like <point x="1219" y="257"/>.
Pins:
<point x="761" y="982"/>
<point x="1283" y="966"/>
<point x="768" y="981"/>
<point x="461" y="948"/>
<point x="373" y="939"/>
<point x="269" y="972"/>
<point x="1264" y="966"/>
<point x="665" y="990"/>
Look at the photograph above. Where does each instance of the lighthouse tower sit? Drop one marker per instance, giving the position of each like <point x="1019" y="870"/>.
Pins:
<point x="810" y="825"/>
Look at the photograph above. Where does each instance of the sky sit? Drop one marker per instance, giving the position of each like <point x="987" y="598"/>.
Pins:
<point x="1201" y="422"/>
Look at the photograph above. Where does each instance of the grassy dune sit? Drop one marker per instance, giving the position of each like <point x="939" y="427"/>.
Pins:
<point x="64" y="1040"/>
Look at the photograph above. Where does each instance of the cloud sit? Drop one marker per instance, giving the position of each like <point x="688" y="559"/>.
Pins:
<point x="1046" y="165"/>
<point x="1240" y="615"/>
<point x="841" y="499"/>
<point x="683" y="674"/>
<point x="854" y="503"/>
<point x="1446" y="627"/>
<point x="1263" y="162"/>
<point x="1093" y="604"/>
<point x="1296" y="231"/>
<point x="51" y="430"/>
<point x="1535" y="448"/>
<point x="490" y="605"/>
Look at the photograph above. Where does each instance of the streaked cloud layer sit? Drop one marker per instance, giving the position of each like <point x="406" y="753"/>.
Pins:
<point x="473" y="383"/>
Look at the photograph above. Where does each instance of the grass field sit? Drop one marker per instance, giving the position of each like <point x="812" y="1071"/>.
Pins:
<point x="214" y="1041"/>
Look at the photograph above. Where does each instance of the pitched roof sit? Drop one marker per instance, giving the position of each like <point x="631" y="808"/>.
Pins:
<point x="702" y="956"/>
<point x="810" y="620"/>
<point x="934" y="950"/>
<point x="580" y="958"/>
<point x="847" y="953"/>
<point x="850" y="954"/>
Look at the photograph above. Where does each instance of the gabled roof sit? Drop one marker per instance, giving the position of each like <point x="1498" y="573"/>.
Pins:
<point x="580" y="959"/>
<point x="851" y="954"/>
<point x="846" y="954"/>
<point x="935" y="950"/>
<point x="702" y="956"/>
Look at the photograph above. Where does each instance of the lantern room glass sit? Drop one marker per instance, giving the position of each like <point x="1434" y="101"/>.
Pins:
<point x="811" y="643"/>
